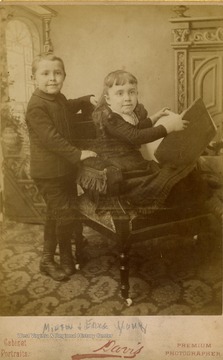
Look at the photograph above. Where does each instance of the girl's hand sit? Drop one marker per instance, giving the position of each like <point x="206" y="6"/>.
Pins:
<point x="163" y="112"/>
<point x="93" y="101"/>
<point x="174" y="122"/>
<point x="85" y="154"/>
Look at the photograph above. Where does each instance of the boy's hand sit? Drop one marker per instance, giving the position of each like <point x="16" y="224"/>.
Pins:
<point x="163" y="112"/>
<point x="85" y="154"/>
<point x="93" y="101"/>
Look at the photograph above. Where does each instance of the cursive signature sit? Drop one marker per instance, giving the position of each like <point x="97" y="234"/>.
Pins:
<point x="111" y="350"/>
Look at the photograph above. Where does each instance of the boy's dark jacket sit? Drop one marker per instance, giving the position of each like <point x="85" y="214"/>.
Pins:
<point x="48" y="119"/>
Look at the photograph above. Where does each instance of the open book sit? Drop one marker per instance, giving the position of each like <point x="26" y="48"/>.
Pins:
<point x="184" y="147"/>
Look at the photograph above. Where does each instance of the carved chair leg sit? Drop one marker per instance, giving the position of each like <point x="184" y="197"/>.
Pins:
<point x="124" y="274"/>
<point x="123" y="232"/>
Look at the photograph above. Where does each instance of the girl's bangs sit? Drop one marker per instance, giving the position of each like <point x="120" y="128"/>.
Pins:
<point x="122" y="79"/>
<point x="119" y="78"/>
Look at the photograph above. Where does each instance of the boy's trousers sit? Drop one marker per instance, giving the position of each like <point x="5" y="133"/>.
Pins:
<point x="61" y="218"/>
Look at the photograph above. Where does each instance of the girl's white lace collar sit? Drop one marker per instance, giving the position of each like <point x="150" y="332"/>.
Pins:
<point x="130" y="118"/>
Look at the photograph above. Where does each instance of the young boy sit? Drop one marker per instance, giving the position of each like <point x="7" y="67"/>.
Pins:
<point x="53" y="160"/>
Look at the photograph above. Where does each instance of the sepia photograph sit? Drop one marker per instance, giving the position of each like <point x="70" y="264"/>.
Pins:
<point x="111" y="161"/>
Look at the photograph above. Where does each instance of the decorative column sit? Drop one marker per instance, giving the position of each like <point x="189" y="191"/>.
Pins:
<point x="5" y="16"/>
<point x="47" y="47"/>
<point x="198" y="47"/>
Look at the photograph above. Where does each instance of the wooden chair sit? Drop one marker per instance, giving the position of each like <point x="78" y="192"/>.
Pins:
<point x="128" y="226"/>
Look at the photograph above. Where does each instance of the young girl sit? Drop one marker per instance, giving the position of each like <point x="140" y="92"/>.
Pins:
<point x="53" y="160"/>
<point x="123" y="126"/>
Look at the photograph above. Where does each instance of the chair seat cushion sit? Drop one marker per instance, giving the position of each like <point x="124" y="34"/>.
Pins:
<point x="137" y="219"/>
<point x="88" y="208"/>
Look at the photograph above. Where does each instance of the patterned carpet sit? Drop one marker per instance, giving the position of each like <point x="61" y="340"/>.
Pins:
<point x="172" y="277"/>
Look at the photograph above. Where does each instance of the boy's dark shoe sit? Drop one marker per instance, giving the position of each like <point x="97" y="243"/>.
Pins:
<point x="47" y="264"/>
<point x="68" y="266"/>
<point x="53" y="270"/>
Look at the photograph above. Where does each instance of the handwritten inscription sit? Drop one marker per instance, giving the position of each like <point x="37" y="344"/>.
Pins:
<point x="122" y="326"/>
<point x="111" y="350"/>
<point x="91" y="324"/>
<point x="47" y="328"/>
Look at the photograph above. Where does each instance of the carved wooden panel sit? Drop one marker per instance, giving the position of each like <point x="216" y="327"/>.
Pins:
<point x="181" y="80"/>
<point x="198" y="46"/>
<point x="206" y="80"/>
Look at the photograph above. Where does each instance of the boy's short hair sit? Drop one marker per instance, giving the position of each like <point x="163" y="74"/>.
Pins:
<point x="49" y="57"/>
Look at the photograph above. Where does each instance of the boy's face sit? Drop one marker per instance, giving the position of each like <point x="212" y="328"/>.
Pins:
<point x="49" y="76"/>
<point x="122" y="98"/>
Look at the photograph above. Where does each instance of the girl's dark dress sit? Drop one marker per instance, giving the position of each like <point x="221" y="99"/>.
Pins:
<point x="145" y="183"/>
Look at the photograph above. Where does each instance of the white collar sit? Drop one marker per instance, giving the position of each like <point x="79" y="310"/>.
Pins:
<point x="130" y="118"/>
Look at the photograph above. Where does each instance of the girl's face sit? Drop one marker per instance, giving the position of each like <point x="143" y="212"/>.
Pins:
<point x="49" y="76"/>
<point x="122" y="98"/>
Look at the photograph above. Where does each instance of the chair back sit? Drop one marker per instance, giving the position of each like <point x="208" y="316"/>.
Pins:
<point x="83" y="132"/>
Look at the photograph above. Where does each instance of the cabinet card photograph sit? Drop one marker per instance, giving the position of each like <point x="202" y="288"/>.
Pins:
<point x="111" y="180"/>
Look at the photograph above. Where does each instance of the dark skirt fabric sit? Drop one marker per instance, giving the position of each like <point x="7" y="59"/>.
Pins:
<point x="165" y="187"/>
<point x="150" y="189"/>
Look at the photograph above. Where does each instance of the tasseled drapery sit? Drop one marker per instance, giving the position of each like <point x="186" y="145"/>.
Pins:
<point x="92" y="179"/>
